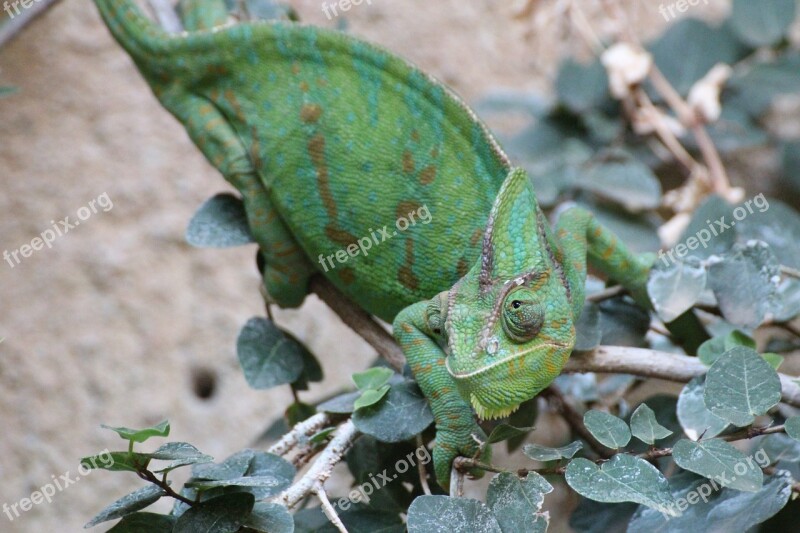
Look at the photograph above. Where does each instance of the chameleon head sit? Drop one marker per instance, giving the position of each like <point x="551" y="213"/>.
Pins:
<point x="507" y="326"/>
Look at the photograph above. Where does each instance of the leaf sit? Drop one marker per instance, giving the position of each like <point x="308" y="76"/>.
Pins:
<point x="622" y="179"/>
<point x="774" y="223"/>
<point x="703" y="226"/>
<point x="180" y="454"/>
<point x="700" y="507"/>
<point x="645" y="427"/>
<point x="582" y="87"/>
<point x="429" y="514"/>
<point x="271" y="518"/>
<point x="537" y="452"/>
<point x="774" y="360"/>
<point x="625" y="478"/>
<point x="587" y="330"/>
<point x="582" y="387"/>
<point x="342" y="404"/>
<point x="720" y="461"/>
<point x="623" y="322"/>
<point x="268" y="355"/>
<point x="403" y="414"/>
<point x="745" y="284"/>
<point x="523" y="417"/>
<point x="611" y="431"/>
<point x="713" y="348"/>
<point x="694" y="416"/>
<point x="221" y="222"/>
<point x="358" y="518"/>
<point x="117" y="461"/>
<point x="144" y="523"/>
<point x="517" y="503"/>
<point x="674" y="289"/>
<point x="792" y="426"/>
<point x="233" y="467"/>
<point x="136" y="500"/>
<point x="223" y="514"/>
<point x="370" y="397"/>
<point x="299" y="411"/>
<point x="780" y="447"/>
<point x="638" y="231"/>
<point x="762" y="23"/>
<point x="505" y="431"/>
<point x="594" y="517"/>
<point x="140" y="435"/>
<point x="741" y="385"/>
<point x="274" y="484"/>
<point x="374" y="378"/>
<point x="321" y="436"/>
<point x="701" y="46"/>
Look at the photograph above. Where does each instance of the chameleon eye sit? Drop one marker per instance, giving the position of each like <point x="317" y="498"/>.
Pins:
<point x="523" y="315"/>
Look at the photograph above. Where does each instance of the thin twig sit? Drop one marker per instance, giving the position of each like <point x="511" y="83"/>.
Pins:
<point x="163" y="485"/>
<point x="327" y="508"/>
<point x="423" y="473"/>
<point x="790" y="272"/>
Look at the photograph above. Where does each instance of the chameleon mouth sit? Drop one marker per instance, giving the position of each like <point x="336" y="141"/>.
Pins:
<point x="497" y="390"/>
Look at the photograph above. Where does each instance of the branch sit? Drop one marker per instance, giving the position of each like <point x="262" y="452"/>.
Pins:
<point x="321" y="470"/>
<point x="359" y="321"/>
<point x="655" y="364"/>
<point x="303" y="429"/>
<point x="327" y="508"/>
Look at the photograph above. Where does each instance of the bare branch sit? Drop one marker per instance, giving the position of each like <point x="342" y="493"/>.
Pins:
<point x="575" y="420"/>
<point x="327" y="508"/>
<point x="321" y="469"/>
<point x="305" y="428"/>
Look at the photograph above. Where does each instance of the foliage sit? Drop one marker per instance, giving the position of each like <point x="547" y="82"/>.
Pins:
<point x="646" y="462"/>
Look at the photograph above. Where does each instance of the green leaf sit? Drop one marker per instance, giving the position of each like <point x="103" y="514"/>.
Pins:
<point x="270" y="518"/>
<point x="762" y="23"/>
<point x="272" y="483"/>
<point x="618" y="177"/>
<point x="136" y="500"/>
<point x="774" y="223"/>
<point x="645" y="427"/>
<point x="595" y="517"/>
<point x="505" y="431"/>
<point x="608" y="429"/>
<point x="342" y="404"/>
<point x="712" y="209"/>
<point x="726" y="510"/>
<point x="117" y="461"/>
<point x="233" y="467"/>
<point x="517" y="503"/>
<point x="180" y="454"/>
<point x="223" y="514"/>
<point x="8" y="91"/>
<point x="373" y="378"/>
<point x="144" y="523"/>
<point x="701" y="46"/>
<point x="221" y="222"/>
<point x="582" y="87"/>
<point x="370" y="397"/>
<point x="741" y="385"/>
<point x="321" y="436"/>
<point x="299" y="411"/>
<point x="694" y="416"/>
<point x="523" y="417"/>
<point x="358" y="518"/>
<point x="745" y="284"/>
<point x="774" y="360"/>
<point x="541" y="453"/>
<point x="780" y="447"/>
<point x="674" y="289"/>
<point x="268" y="464"/>
<point x="403" y="414"/>
<point x="268" y="355"/>
<point x="625" y="478"/>
<point x="712" y="349"/>
<point x="720" y="461"/>
<point x="792" y="426"/>
<point x="453" y="515"/>
<point x="140" y="435"/>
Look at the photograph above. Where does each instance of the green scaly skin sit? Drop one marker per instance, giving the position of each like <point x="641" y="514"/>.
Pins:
<point x="328" y="138"/>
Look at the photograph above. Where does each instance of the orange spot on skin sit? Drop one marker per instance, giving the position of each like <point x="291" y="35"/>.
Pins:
<point x="610" y="250"/>
<point x="562" y="233"/>
<point x="322" y="82"/>
<point x="415" y="136"/>
<point x="597" y="231"/>
<point x="408" y="162"/>
<point x="304" y="86"/>
<point x="316" y="151"/>
<point x="347" y="275"/>
<point x="434" y="153"/>
<point x="428" y="175"/>
<point x="310" y="113"/>
<point x="295" y="68"/>
<point x="406" y="328"/>
<point x="462" y="268"/>
<point x="477" y="235"/>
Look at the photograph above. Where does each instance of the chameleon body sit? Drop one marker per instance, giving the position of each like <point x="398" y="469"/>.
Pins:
<point x="329" y="139"/>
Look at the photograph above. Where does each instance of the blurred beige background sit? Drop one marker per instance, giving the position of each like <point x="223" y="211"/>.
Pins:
<point x="115" y="322"/>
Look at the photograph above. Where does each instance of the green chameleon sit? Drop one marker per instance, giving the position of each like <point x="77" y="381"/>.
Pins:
<point x="330" y="140"/>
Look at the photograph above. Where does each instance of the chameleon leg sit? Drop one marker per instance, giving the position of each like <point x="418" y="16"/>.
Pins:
<point x="582" y="236"/>
<point x="203" y="14"/>
<point x="457" y="433"/>
<point x="287" y="269"/>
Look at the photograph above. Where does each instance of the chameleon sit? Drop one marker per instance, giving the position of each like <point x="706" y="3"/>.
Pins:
<point x="327" y="137"/>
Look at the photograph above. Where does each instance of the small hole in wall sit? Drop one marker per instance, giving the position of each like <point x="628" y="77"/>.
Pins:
<point x="204" y="383"/>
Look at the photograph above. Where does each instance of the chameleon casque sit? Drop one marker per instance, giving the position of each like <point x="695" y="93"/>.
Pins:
<point x="327" y="137"/>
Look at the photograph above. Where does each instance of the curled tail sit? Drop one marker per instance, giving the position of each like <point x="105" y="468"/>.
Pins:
<point x="137" y="34"/>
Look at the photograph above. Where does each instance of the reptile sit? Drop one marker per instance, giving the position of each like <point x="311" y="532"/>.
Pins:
<point x="328" y="138"/>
